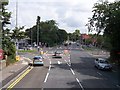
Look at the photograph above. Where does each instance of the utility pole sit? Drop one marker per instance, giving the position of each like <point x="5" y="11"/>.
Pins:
<point x="16" y="40"/>
<point x="31" y="38"/>
<point x="38" y="30"/>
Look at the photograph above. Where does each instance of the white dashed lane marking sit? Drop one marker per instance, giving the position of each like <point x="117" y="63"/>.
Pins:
<point x="72" y="71"/>
<point x="79" y="83"/>
<point x="99" y="73"/>
<point x="49" y="67"/>
<point x="50" y="62"/>
<point x="118" y="86"/>
<point x="46" y="78"/>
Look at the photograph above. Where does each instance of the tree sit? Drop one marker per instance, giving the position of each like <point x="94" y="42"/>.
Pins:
<point x="75" y="35"/>
<point x="18" y="33"/>
<point x="49" y="33"/>
<point x="7" y="45"/>
<point x="106" y="18"/>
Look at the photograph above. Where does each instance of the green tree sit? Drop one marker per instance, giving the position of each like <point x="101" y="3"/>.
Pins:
<point x="106" y="18"/>
<point x="7" y="45"/>
<point x="75" y="35"/>
<point x="18" y="33"/>
<point x="49" y="33"/>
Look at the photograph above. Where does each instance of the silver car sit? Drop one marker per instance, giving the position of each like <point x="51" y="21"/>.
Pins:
<point x="102" y="64"/>
<point x="37" y="60"/>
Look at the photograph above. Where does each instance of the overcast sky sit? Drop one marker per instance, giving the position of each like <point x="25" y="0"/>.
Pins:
<point x="69" y="14"/>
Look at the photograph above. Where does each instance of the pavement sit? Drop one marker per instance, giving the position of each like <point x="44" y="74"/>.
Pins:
<point x="11" y="71"/>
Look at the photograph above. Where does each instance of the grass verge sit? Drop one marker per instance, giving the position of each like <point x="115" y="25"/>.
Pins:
<point x="24" y="51"/>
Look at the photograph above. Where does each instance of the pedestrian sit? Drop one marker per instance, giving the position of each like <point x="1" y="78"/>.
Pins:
<point x="38" y="48"/>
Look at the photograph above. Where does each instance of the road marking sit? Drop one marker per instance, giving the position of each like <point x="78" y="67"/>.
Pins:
<point x="79" y="83"/>
<point x="19" y="79"/>
<point x="24" y="62"/>
<point x="59" y="62"/>
<point x="69" y="64"/>
<point x="65" y="61"/>
<point x="49" y="67"/>
<point x="99" y="73"/>
<point x="69" y="60"/>
<point x="118" y="86"/>
<point x="114" y="71"/>
<point x="50" y="62"/>
<point x="46" y="77"/>
<point x="72" y="71"/>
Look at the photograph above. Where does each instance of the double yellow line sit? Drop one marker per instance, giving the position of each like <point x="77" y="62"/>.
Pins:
<point x="18" y="79"/>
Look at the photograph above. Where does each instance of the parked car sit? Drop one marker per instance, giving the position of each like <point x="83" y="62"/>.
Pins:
<point x="29" y="47"/>
<point x="37" y="60"/>
<point x="56" y="55"/>
<point x="102" y="64"/>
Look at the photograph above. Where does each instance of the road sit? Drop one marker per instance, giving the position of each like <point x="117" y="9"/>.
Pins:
<point x="74" y="70"/>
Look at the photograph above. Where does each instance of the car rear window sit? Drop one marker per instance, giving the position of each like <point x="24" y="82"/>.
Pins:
<point x="101" y="61"/>
<point x="37" y="57"/>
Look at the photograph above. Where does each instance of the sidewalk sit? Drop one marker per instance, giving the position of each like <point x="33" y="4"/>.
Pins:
<point x="11" y="71"/>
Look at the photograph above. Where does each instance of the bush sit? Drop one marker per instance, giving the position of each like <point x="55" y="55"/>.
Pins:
<point x="9" y="50"/>
<point x="114" y="56"/>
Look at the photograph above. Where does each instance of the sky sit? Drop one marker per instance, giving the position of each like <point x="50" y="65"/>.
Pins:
<point x="69" y="14"/>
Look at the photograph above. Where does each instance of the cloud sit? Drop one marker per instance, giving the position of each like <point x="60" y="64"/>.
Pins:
<point x="69" y="14"/>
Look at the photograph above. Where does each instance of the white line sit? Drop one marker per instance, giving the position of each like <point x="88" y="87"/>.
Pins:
<point x="46" y="77"/>
<point x="50" y="62"/>
<point x="69" y="60"/>
<point x="49" y="67"/>
<point x="68" y="64"/>
<point x="59" y="62"/>
<point x="114" y="71"/>
<point x="79" y="83"/>
<point x="65" y="61"/>
<point x="99" y="73"/>
<point x="77" y="80"/>
<point x="118" y="86"/>
<point x="72" y="71"/>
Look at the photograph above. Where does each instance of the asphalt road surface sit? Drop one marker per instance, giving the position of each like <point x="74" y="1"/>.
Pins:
<point x="75" y="70"/>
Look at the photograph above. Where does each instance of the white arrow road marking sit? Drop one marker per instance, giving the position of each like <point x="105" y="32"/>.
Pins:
<point x="59" y="62"/>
